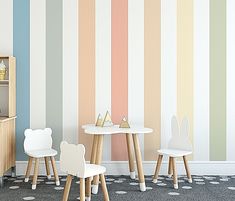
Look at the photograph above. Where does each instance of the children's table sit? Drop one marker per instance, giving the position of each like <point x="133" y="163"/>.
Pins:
<point x="131" y="134"/>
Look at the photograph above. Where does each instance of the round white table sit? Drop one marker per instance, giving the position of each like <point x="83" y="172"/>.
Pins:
<point x="131" y="134"/>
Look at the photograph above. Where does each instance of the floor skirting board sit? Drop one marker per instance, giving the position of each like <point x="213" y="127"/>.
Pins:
<point x="121" y="167"/>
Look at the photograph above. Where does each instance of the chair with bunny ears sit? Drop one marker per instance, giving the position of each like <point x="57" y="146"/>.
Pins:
<point x="38" y="144"/>
<point x="72" y="161"/>
<point x="178" y="146"/>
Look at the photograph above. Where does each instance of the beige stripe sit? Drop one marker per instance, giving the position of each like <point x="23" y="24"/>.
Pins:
<point x="86" y="70"/>
<point x="152" y="76"/>
<point x="185" y="61"/>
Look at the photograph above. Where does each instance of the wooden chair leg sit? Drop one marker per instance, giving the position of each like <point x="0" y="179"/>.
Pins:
<point x="28" y="169"/>
<point x="170" y="167"/>
<point x="157" y="170"/>
<point x="104" y="187"/>
<point x="57" y="181"/>
<point x="88" y="189"/>
<point x="187" y="169"/>
<point x="175" y="179"/>
<point x="35" y="176"/>
<point x="67" y="187"/>
<point x="82" y="189"/>
<point x="47" y="167"/>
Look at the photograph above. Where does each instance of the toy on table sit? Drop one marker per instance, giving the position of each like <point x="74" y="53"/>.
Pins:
<point x="124" y="123"/>
<point x="107" y="121"/>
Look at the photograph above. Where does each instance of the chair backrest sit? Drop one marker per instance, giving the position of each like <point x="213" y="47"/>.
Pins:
<point x="72" y="160"/>
<point x="180" y="136"/>
<point x="38" y="139"/>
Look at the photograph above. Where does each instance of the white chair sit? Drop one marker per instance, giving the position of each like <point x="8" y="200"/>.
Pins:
<point x="38" y="144"/>
<point x="72" y="162"/>
<point x="179" y="146"/>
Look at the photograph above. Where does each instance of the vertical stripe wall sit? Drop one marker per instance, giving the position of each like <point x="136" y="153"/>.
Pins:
<point x="143" y="59"/>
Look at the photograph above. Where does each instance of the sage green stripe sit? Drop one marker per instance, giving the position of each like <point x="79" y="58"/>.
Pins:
<point x="217" y="80"/>
<point x="54" y="81"/>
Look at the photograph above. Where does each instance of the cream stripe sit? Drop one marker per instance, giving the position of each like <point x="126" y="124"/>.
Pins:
<point x="136" y="65"/>
<point x="37" y="63"/>
<point x="6" y="22"/>
<point x="201" y="80"/>
<point x="103" y="65"/>
<point x="168" y="67"/>
<point x="230" y="80"/>
<point x="185" y="61"/>
<point x="70" y="71"/>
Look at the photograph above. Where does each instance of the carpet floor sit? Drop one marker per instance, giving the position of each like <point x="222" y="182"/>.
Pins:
<point x="122" y="188"/>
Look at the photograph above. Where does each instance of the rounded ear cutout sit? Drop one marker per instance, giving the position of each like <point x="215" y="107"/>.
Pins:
<point x="82" y="148"/>
<point x="27" y="132"/>
<point x="184" y="129"/>
<point x="48" y="130"/>
<point x="174" y="126"/>
<point x="62" y="144"/>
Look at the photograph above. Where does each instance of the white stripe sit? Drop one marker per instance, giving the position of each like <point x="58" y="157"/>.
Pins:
<point x="37" y="63"/>
<point x="6" y="23"/>
<point x="230" y="80"/>
<point x="136" y="65"/>
<point x="201" y="80"/>
<point x="70" y="71"/>
<point x="168" y="67"/>
<point x="103" y="65"/>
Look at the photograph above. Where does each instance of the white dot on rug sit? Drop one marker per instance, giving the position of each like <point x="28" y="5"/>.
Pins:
<point x="63" y="179"/>
<point x="160" y="178"/>
<point x="120" y="192"/>
<point x="148" y="179"/>
<point x="122" y="179"/>
<point x="29" y="198"/>
<point x="50" y="182"/>
<point x="108" y="183"/>
<point x="173" y="193"/>
<point x="169" y="179"/>
<point x="77" y="182"/>
<point x="149" y="188"/>
<point x="200" y="183"/>
<point x="180" y="181"/>
<point x="118" y="181"/>
<point x="214" y="182"/>
<point x="198" y="180"/>
<point x="18" y="181"/>
<point x="134" y="184"/>
<point x="224" y="179"/>
<point x="231" y="188"/>
<point x="40" y="180"/>
<point x="186" y="187"/>
<point x="78" y="198"/>
<point x="209" y="178"/>
<point x="161" y="184"/>
<point x="110" y="179"/>
<point x="14" y="187"/>
<point x="59" y="188"/>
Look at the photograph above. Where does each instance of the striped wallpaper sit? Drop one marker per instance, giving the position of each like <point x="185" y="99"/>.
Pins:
<point x="143" y="59"/>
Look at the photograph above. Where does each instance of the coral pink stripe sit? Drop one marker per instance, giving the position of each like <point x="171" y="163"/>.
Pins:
<point x="119" y="73"/>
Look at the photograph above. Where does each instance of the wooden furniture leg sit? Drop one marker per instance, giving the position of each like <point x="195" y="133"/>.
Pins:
<point x="104" y="187"/>
<point x="47" y="167"/>
<point x="187" y="169"/>
<point x="94" y="149"/>
<point x="57" y="181"/>
<point x="157" y="170"/>
<point x="139" y="162"/>
<point x="35" y="176"/>
<point x="175" y="179"/>
<point x="130" y="155"/>
<point x="28" y="169"/>
<point x="88" y="189"/>
<point x="170" y="167"/>
<point x="97" y="162"/>
<point x="67" y="187"/>
<point x="82" y="189"/>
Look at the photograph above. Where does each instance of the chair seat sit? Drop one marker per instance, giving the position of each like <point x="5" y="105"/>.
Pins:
<point x="174" y="152"/>
<point x="92" y="170"/>
<point x="42" y="153"/>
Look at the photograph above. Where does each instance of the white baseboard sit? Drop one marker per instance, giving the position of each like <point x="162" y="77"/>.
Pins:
<point x="121" y="167"/>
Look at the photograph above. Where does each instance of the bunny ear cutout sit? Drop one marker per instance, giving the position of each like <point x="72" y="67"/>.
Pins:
<point x="184" y="130"/>
<point x="174" y="127"/>
<point x="27" y="132"/>
<point x="62" y="144"/>
<point x="81" y="149"/>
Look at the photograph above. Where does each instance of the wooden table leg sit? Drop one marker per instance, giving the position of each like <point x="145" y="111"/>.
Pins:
<point x="98" y="162"/>
<point x="139" y="162"/>
<point x="130" y="155"/>
<point x="94" y="149"/>
<point x="104" y="188"/>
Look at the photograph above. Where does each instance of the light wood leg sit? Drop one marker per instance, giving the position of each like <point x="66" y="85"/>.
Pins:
<point x="157" y="170"/>
<point x="57" y="181"/>
<point x="82" y="189"/>
<point x="88" y="189"/>
<point x="187" y="169"/>
<point x="67" y="187"/>
<point x="139" y="162"/>
<point x="175" y="179"/>
<point x="170" y="167"/>
<point x="104" y="187"/>
<point x="130" y="155"/>
<point x="97" y="162"/>
<point x="47" y="167"/>
<point x="94" y="149"/>
<point x="28" y="169"/>
<point x="35" y="176"/>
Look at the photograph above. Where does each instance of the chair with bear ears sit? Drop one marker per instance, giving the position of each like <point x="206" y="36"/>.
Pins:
<point x="38" y="144"/>
<point x="72" y="161"/>
<point x="178" y="146"/>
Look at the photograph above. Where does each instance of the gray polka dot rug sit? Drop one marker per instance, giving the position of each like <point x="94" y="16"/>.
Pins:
<point x="122" y="188"/>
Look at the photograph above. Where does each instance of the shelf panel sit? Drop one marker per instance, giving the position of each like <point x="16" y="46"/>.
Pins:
<point x="4" y="82"/>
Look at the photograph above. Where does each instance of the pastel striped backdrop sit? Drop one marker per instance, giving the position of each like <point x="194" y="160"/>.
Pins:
<point x="143" y="59"/>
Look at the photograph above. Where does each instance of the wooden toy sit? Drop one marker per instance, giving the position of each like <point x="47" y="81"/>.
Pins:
<point x="99" y="121"/>
<point x="124" y="123"/>
<point x="107" y="120"/>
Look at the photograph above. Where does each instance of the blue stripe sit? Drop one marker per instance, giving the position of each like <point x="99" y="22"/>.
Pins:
<point x="21" y="39"/>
